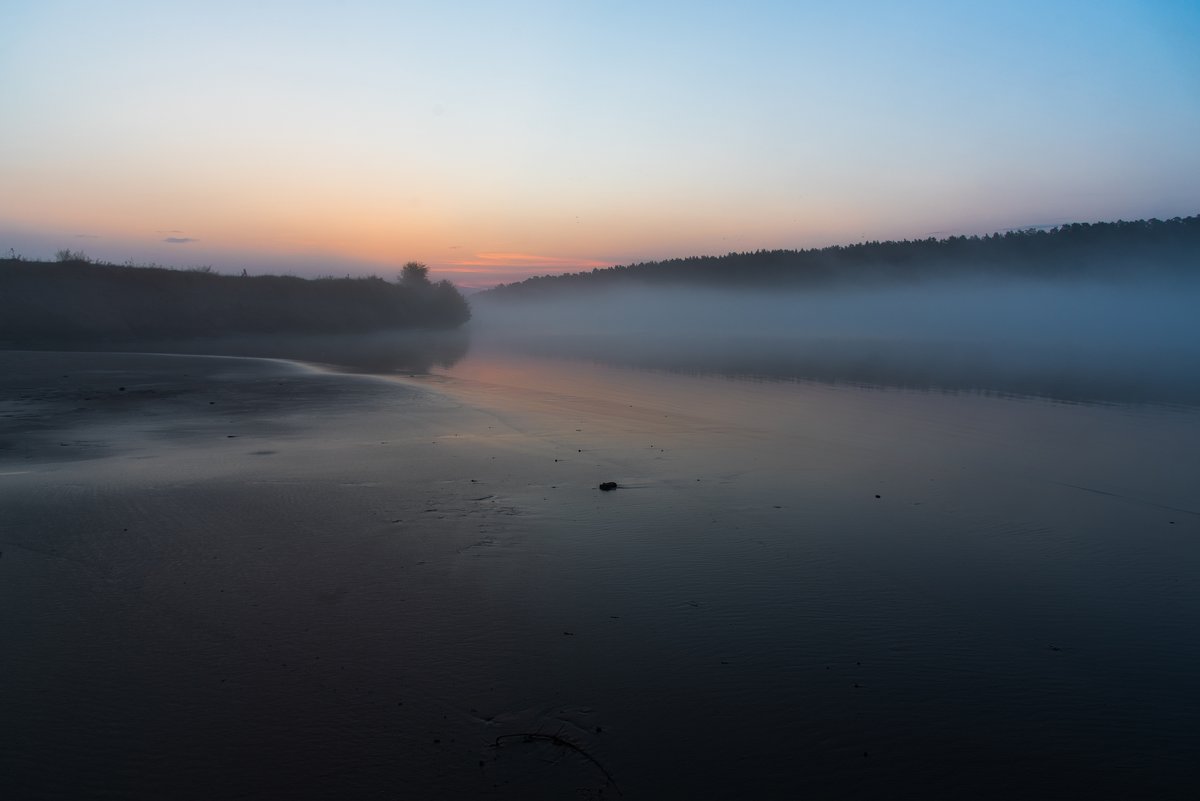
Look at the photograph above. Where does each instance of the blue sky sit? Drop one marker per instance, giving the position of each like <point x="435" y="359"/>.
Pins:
<point x="494" y="140"/>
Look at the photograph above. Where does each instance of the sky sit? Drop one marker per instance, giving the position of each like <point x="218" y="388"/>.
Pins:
<point x="497" y="140"/>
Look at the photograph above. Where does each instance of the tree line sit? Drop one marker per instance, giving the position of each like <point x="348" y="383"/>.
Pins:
<point x="74" y="298"/>
<point x="1074" y="250"/>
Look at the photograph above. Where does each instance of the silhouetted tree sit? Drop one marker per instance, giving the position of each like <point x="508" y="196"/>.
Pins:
<point x="68" y="255"/>
<point x="414" y="274"/>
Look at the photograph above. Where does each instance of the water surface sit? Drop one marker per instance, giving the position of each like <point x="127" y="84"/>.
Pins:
<point x="841" y="590"/>
<point x="226" y="577"/>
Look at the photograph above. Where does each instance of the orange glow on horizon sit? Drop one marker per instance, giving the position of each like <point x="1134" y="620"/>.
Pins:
<point x="513" y="261"/>
<point x="490" y="268"/>
<point x="487" y="269"/>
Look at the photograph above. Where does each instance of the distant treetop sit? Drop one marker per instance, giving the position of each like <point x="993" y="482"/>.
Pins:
<point x="414" y="274"/>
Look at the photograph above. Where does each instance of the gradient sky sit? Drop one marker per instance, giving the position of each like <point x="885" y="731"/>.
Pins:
<point x="495" y="140"/>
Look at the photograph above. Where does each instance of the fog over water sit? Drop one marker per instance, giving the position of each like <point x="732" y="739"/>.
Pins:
<point x="1099" y="341"/>
<point x="1115" y="341"/>
<point x="842" y="561"/>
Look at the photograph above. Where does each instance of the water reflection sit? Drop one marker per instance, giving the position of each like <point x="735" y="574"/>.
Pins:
<point x="1135" y="341"/>
<point x="1073" y="373"/>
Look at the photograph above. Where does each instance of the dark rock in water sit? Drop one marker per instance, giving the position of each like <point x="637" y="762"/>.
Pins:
<point x="608" y="486"/>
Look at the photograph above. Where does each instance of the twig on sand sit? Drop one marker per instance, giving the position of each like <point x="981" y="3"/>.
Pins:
<point x="554" y="739"/>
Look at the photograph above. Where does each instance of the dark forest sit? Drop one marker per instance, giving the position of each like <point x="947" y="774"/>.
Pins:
<point x="44" y="303"/>
<point x="1142" y="248"/>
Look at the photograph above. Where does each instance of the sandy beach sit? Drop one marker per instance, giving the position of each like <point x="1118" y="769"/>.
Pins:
<point x="242" y="578"/>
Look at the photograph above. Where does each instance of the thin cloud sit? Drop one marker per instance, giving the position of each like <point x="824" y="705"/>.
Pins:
<point x="179" y="240"/>
<point x="87" y="236"/>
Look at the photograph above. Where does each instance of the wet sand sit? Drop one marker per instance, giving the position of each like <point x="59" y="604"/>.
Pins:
<point x="229" y="577"/>
<point x="242" y="578"/>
